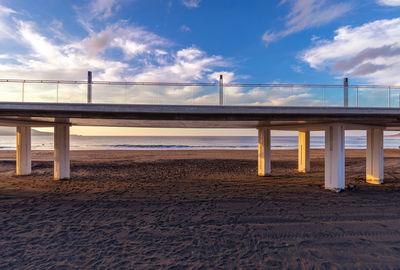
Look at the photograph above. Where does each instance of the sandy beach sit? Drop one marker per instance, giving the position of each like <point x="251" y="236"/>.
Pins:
<point x="198" y="210"/>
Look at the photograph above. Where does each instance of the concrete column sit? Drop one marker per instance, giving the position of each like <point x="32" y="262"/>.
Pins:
<point x="264" y="152"/>
<point x="23" y="155"/>
<point x="61" y="152"/>
<point x="374" y="166"/>
<point x="334" y="157"/>
<point x="304" y="151"/>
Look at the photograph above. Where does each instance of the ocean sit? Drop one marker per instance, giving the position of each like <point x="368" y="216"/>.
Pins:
<point x="185" y="142"/>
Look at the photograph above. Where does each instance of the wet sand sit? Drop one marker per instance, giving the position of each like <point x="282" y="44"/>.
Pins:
<point x="196" y="209"/>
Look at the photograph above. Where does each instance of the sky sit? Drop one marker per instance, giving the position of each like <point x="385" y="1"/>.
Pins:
<point x="286" y="41"/>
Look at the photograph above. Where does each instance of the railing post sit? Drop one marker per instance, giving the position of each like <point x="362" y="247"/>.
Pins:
<point x="346" y="92"/>
<point x="89" y="87"/>
<point x="221" y="90"/>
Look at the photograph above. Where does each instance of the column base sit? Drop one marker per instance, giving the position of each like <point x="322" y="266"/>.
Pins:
<point x="373" y="180"/>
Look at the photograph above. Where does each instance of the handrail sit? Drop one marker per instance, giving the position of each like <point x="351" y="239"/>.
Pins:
<point x="216" y="84"/>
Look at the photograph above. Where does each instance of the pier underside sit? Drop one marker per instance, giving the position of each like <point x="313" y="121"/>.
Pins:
<point x="332" y="120"/>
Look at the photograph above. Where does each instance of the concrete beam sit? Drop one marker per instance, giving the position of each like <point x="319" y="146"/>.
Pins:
<point x="334" y="157"/>
<point x="23" y="155"/>
<point x="374" y="165"/>
<point x="304" y="151"/>
<point x="264" y="152"/>
<point x="61" y="152"/>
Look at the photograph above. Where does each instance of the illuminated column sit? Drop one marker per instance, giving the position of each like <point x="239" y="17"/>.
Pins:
<point x="23" y="155"/>
<point x="304" y="151"/>
<point x="61" y="152"/>
<point x="264" y="152"/>
<point x="374" y="166"/>
<point x="334" y="157"/>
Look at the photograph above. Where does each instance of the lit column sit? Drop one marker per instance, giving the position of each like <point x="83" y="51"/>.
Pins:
<point x="304" y="151"/>
<point x="334" y="157"/>
<point x="23" y="155"/>
<point x="61" y="152"/>
<point x="264" y="152"/>
<point x="374" y="165"/>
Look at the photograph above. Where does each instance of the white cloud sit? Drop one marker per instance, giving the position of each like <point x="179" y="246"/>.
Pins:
<point x="186" y="65"/>
<point x="191" y="3"/>
<point x="370" y="52"/>
<point x="306" y="14"/>
<point x="393" y="3"/>
<point x="102" y="9"/>
<point x="185" y="28"/>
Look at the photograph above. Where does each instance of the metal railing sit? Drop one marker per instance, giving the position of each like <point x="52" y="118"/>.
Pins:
<point x="219" y="93"/>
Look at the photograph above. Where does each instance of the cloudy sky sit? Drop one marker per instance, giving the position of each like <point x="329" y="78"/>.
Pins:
<point x="287" y="41"/>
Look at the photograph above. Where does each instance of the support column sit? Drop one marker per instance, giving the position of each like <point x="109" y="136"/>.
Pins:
<point x="374" y="166"/>
<point x="23" y="155"/>
<point x="264" y="152"/>
<point x="61" y="152"/>
<point x="304" y="151"/>
<point x="334" y="157"/>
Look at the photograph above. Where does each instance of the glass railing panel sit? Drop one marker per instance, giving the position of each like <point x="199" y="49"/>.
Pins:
<point x="10" y="92"/>
<point x="71" y="93"/>
<point x="372" y="97"/>
<point x="40" y="92"/>
<point x="156" y="94"/>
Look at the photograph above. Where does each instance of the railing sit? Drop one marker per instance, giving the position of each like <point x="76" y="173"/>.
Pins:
<point x="198" y="93"/>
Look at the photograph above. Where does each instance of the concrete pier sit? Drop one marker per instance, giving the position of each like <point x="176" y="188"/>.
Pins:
<point x="23" y="155"/>
<point x="61" y="152"/>
<point x="304" y="151"/>
<point x="334" y="157"/>
<point x="374" y="165"/>
<point x="264" y="152"/>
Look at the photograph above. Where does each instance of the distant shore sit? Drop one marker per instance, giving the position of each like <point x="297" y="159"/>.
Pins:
<point x="196" y="209"/>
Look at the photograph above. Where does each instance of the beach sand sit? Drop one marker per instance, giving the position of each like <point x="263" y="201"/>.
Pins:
<point x="196" y="209"/>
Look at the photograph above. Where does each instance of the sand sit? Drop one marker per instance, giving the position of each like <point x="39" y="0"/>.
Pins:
<point x="197" y="210"/>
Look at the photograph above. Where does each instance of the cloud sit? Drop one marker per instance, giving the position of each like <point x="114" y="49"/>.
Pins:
<point x="186" y="65"/>
<point x="185" y="28"/>
<point x="370" y="51"/>
<point x="102" y="9"/>
<point x="393" y="3"/>
<point x="5" y="17"/>
<point x="191" y="3"/>
<point x="306" y="14"/>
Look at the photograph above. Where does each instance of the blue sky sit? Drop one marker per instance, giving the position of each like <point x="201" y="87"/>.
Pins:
<point x="287" y="41"/>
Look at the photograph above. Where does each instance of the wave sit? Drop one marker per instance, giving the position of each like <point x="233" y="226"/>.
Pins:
<point x="179" y="146"/>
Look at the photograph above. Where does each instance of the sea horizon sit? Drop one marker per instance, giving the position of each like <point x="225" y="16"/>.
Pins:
<point x="81" y="142"/>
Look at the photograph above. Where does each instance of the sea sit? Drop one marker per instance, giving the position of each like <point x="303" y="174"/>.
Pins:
<point x="185" y="142"/>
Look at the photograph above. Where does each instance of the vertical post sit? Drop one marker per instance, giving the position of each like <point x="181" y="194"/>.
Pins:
<point x="23" y="155"/>
<point x="304" y="151"/>
<point x="357" y="97"/>
<point x="264" y="152"/>
<point x="334" y="157"/>
<point x="346" y="92"/>
<point x="23" y="91"/>
<point x="61" y="152"/>
<point x="57" y="91"/>
<point x="374" y="165"/>
<point x="221" y="90"/>
<point x="89" y="87"/>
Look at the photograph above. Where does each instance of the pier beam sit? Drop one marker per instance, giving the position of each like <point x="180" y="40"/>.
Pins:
<point x="264" y="152"/>
<point x="23" y="155"/>
<point x="304" y="151"/>
<point x="61" y="152"/>
<point x="374" y="165"/>
<point x="334" y="157"/>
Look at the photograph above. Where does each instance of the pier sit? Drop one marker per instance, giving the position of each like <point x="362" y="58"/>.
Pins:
<point x="333" y="119"/>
